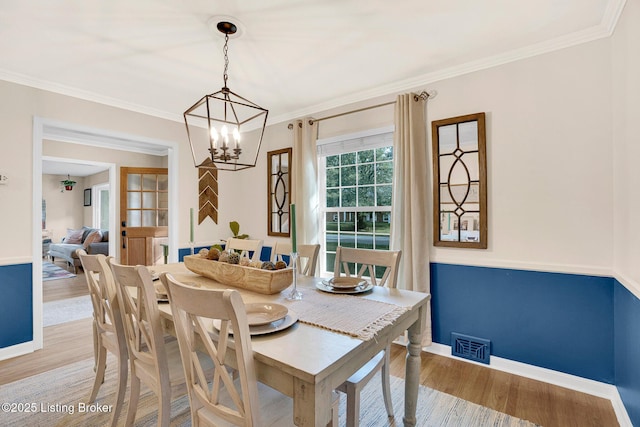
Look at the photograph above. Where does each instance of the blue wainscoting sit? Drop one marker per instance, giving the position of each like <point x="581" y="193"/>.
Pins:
<point x="627" y="350"/>
<point x="16" y="304"/>
<point x="557" y="321"/>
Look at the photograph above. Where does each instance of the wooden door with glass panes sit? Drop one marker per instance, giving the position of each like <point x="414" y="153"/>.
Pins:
<point x="144" y="214"/>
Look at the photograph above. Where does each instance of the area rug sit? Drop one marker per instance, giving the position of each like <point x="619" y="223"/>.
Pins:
<point x="66" y="310"/>
<point x="58" y="396"/>
<point x="53" y="272"/>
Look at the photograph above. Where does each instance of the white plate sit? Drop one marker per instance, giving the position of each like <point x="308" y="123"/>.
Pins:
<point x="264" y="312"/>
<point x="290" y="319"/>
<point x="345" y="282"/>
<point x="325" y="287"/>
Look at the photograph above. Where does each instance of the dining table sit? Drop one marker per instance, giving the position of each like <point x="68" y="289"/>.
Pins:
<point x="332" y="336"/>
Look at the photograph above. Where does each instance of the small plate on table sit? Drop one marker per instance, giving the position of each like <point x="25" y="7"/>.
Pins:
<point x="360" y="287"/>
<point x="345" y="282"/>
<point x="161" y="292"/>
<point x="278" y="325"/>
<point x="263" y="313"/>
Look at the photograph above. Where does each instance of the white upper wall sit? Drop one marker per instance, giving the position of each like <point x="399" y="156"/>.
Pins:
<point x="626" y="140"/>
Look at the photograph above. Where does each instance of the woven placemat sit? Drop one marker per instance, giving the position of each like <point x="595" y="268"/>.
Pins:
<point x="347" y="314"/>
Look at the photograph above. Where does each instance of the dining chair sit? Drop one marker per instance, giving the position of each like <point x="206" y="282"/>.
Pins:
<point x="307" y="256"/>
<point x="152" y="361"/>
<point x="245" y="246"/>
<point x="231" y="394"/>
<point x="368" y="263"/>
<point x="108" y="329"/>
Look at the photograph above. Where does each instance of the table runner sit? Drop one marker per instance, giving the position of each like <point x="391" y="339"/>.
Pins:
<point x="347" y="314"/>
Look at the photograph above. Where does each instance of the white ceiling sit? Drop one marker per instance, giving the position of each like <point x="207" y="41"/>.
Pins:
<point x="293" y="57"/>
<point x="73" y="169"/>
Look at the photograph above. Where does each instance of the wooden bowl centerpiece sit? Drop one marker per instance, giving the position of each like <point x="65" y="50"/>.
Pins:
<point x="254" y="279"/>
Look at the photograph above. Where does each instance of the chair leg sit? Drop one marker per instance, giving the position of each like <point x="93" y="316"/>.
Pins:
<point x="353" y="407"/>
<point x="122" y="387"/>
<point x="133" y="399"/>
<point x="100" y="367"/>
<point x="386" y="383"/>
<point x="164" y="411"/>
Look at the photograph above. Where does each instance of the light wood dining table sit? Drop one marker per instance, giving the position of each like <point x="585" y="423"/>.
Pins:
<point x="307" y="362"/>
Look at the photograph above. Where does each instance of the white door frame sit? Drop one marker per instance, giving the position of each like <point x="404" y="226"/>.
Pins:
<point x="49" y="129"/>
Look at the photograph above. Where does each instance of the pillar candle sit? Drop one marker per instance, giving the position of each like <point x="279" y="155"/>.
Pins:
<point x="292" y="221"/>
<point x="191" y="230"/>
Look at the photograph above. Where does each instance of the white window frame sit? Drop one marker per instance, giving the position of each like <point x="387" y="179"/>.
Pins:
<point x="365" y="140"/>
<point x="96" y="201"/>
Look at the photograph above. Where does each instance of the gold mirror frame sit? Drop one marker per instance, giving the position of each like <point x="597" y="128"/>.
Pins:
<point x="278" y="192"/>
<point x="460" y="182"/>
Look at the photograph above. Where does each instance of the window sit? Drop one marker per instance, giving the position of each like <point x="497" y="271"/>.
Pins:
<point x="100" y="199"/>
<point x="356" y="179"/>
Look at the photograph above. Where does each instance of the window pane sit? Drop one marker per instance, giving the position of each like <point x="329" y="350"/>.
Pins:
<point x="331" y="260"/>
<point x="365" y="241"/>
<point x="333" y="161"/>
<point x="133" y="218"/>
<point x="366" y="174"/>
<point x="384" y="172"/>
<point x="149" y="219"/>
<point x="331" y="221"/>
<point x="347" y="221"/>
<point x="163" y="182"/>
<point x="333" y="198"/>
<point x="365" y="156"/>
<point x="331" y="242"/>
<point x="384" y="195"/>
<point x="133" y="200"/>
<point x="149" y="200"/>
<point x="149" y="182"/>
<point x="385" y="153"/>
<point x="163" y="218"/>
<point x="348" y="197"/>
<point x="163" y="200"/>
<point x="348" y="175"/>
<point x="365" y="222"/>
<point x="133" y="182"/>
<point x="382" y="223"/>
<point x="367" y="196"/>
<point x="382" y="242"/>
<point x="348" y="240"/>
<point x="333" y="177"/>
<point x="348" y="159"/>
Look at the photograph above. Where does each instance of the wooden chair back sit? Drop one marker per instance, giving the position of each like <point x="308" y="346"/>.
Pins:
<point x="108" y="328"/>
<point x="307" y="256"/>
<point x="245" y="246"/>
<point x="193" y="311"/>
<point x="143" y="328"/>
<point x="366" y="261"/>
<point x="102" y="289"/>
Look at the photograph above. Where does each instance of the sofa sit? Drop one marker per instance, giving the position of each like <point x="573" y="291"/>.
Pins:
<point x="92" y="240"/>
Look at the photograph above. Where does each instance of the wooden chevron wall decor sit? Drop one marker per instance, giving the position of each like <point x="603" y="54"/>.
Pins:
<point x="208" y="194"/>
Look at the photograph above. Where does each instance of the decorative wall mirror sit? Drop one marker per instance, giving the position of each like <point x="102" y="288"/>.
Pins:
<point x="460" y="182"/>
<point x="279" y="191"/>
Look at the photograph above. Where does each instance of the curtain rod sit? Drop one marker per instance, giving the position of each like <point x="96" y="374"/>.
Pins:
<point x="422" y="95"/>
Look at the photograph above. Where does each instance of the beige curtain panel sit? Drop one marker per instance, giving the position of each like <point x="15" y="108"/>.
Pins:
<point x="305" y="180"/>
<point x="410" y="213"/>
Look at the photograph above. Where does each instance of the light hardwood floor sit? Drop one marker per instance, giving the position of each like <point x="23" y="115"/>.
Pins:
<point x="536" y="401"/>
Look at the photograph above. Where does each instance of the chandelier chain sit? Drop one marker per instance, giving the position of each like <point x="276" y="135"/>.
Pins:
<point x="225" y="76"/>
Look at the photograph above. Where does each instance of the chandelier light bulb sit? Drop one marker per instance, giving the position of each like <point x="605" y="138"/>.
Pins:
<point x="214" y="137"/>
<point x="236" y="137"/>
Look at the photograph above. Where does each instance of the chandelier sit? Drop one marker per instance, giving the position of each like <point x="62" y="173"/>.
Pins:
<point x="224" y="129"/>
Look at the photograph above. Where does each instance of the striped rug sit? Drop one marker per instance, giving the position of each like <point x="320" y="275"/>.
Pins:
<point x="56" y="398"/>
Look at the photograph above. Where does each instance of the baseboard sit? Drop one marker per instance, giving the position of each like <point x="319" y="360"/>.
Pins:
<point x="17" y="350"/>
<point x="573" y="382"/>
